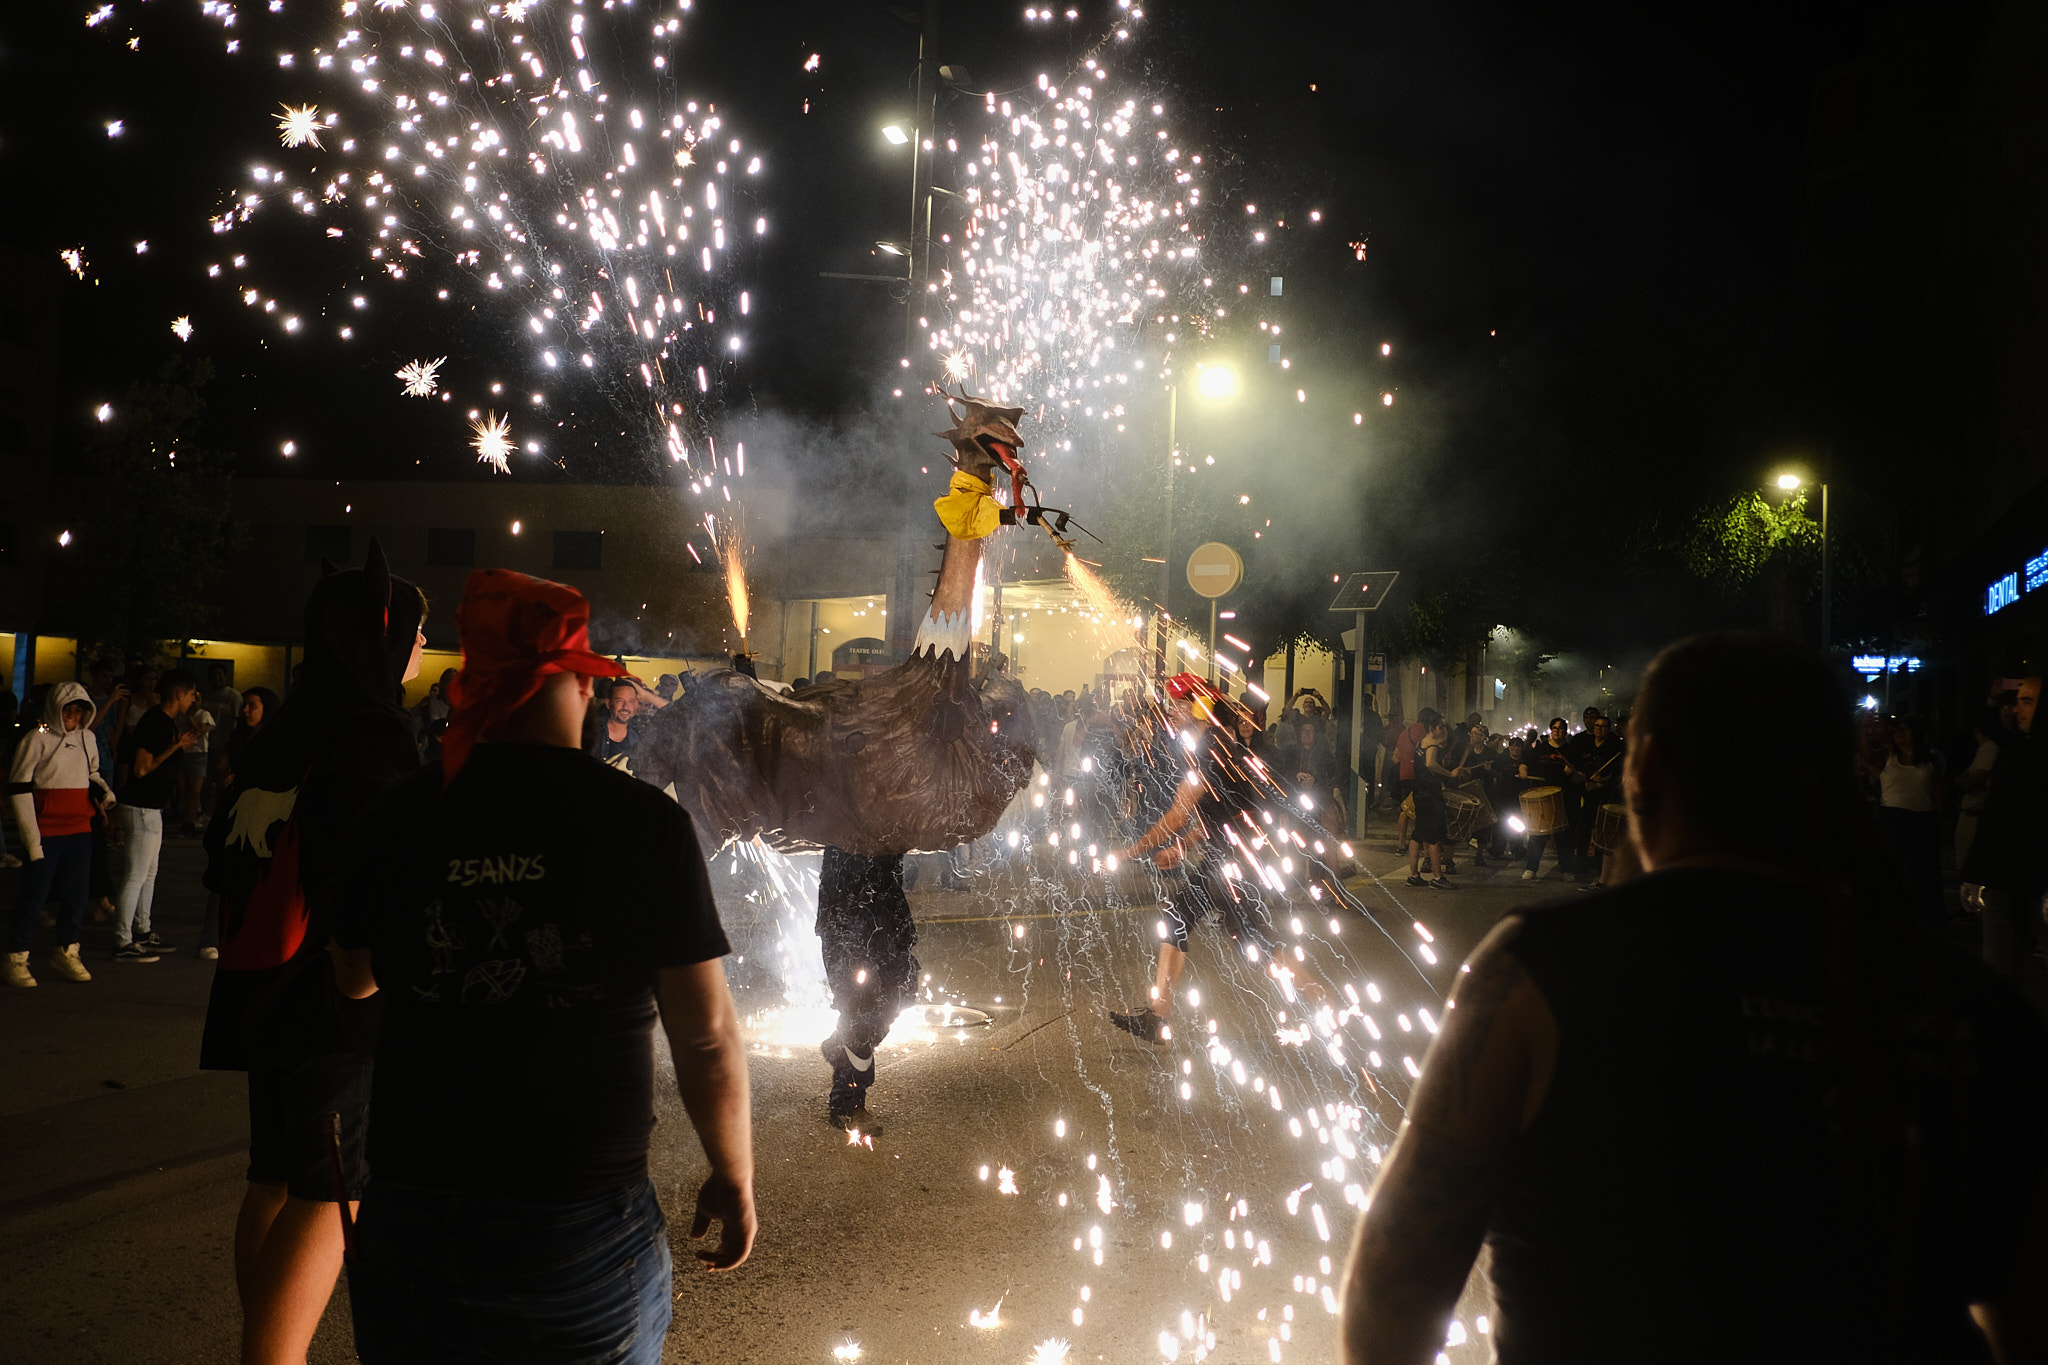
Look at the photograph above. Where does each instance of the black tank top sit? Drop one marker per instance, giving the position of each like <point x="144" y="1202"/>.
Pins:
<point x="1680" y="1196"/>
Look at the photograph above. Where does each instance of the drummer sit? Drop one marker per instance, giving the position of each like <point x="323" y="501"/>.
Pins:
<point x="1596" y="772"/>
<point x="1548" y="763"/>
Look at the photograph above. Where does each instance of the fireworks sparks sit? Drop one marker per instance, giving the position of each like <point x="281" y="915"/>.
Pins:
<point x="181" y="328"/>
<point x="74" y="260"/>
<point x="540" y="165"/>
<point x="728" y="537"/>
<point x="846" y="1351"/>
<point x="986" y="1321"/>
<point x="493" y="442"/>
<point x="299" y="127"/>
<point x="1051" y="1351"/>
<point x="421" y="377"/>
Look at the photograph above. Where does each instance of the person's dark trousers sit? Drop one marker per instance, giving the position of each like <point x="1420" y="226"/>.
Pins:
<point x="64" y="871"/>
<point x="1915" y="842"/>
<point x="473" y="1278"/>
<point x="865" y="935"/>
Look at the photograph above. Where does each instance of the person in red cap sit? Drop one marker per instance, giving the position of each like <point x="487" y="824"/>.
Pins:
<point x="1191" y="844"/>
<point x="530" y="913"/>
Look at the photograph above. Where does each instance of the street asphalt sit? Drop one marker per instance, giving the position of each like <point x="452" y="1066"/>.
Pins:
<point x="121" y="1163"/>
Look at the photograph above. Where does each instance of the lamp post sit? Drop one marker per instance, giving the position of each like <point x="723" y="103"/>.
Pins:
<point x="1792" y="483"/>
<point x="1217" y="383"/>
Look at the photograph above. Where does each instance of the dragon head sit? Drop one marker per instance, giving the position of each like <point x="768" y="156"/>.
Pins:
<point x="984" y="436"/>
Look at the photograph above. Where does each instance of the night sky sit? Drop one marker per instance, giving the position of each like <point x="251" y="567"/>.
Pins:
<point x="1591" y="242"/>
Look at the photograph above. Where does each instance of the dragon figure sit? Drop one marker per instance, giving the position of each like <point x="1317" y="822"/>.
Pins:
<point x="922" y="757"/>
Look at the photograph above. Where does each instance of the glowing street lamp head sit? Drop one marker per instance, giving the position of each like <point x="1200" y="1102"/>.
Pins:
<point x="1217" y="381"/>
<point x="1788" y="482"/>
<point x="890" y="249"/>
<point x="895" y="134"/>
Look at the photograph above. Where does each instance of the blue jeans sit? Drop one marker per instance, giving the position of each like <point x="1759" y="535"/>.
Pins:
<point x="457" y="1278"/>
<point x="64" y="871"/>
<point x="135" y="870"/>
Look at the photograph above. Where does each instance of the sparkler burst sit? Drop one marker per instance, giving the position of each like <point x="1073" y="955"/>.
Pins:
<point x="493" y="441"/>
<point x="1051" y="1351"/>
<point x="539" y="164"/>
<point x="299" y="127"/>
<point x="181" y="328"/>
<point x="420" y="377"/>
<point x="74" y="260"/>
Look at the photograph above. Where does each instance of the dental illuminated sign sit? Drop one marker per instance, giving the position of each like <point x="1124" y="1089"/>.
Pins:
<point x="1870" y="665"/>
<point x="2007" y="589"/>
<point x="2002" y="593"/>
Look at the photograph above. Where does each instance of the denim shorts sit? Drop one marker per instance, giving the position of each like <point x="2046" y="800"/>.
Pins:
<point x="456" y="1278"/>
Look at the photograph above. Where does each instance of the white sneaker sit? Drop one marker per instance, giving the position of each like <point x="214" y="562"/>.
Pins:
<point x="64" y="962"/>
<point x="209" y="954"/>
<point x="17" y="970"/>
<point x="1528" y="874"/>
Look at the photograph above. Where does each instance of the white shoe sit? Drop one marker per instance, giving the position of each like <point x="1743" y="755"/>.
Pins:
<point x="209" y="954"/>
<point x="17" y="970"/>
<point x="64" y="962"/>
<point x="1528" y="874"/>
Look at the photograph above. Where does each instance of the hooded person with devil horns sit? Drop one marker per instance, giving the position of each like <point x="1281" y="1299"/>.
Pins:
<point x="273" y="856"/>
<point x="1192" y="844"/>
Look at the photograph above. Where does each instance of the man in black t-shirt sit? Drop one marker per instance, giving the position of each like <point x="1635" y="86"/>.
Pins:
<point x="530" y="912"/>
<point x="1746" y="1107"/>
<point x="149" y="753"/>
<point x="1199" y="844"/>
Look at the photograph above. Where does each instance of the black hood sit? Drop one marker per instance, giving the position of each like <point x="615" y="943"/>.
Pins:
<point x="360" y="628"/>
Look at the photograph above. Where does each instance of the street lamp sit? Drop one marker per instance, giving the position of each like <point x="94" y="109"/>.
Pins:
<point x="1218" y="384"/>
<point x="894" y="132"/>
<point x="1791" y="483"/>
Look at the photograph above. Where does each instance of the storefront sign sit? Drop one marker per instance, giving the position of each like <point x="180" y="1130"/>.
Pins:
<point x="2002" y="593"/>
<point x="1870" y="665"/>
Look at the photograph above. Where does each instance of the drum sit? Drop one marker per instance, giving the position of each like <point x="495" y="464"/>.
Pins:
<point x="1466" y="811"/>
<point x="1543" y="810"/>
<point x="1610" y="827"/>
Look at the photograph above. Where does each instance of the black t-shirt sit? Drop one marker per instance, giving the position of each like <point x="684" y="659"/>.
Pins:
<point x="1546" y="764"/>
<point x="156" y="733"/>
<point x="516" y="922"/>
<point x="1680" y="1195"/>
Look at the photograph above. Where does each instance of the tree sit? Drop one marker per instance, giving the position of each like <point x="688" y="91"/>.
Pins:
<point x="1743" y="547"/>
<point x="154" y="532"/>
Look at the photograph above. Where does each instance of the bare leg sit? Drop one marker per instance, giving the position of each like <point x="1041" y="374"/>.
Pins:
<point x="1436" y="860"/>
<point x="294" y="1277"/>
<point x="1172" y="962"/>
<point x="1414" y="858"/>
<point x="260" y="1207"/>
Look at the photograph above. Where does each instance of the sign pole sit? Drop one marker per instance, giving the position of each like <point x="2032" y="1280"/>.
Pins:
<point x="1358" y="783"/>
<point x="1212" y="639"/>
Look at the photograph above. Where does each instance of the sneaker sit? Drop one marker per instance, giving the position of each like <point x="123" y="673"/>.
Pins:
<point x="134" y="952"/>
<point x="1594" y="886"/>
<point x="1450" y="865"/>
<point x="209" y="954"/>
<point x="854" y="1120"/>
<point x="1416" y="881"/>
<point x="1439" y="884"/>
<point x="1528" y="874"/>
<point x="155" y="944"/>
<point x="16" y="973"/>
<point x="1142" y="1024"/>
<point x="64" y="962"/>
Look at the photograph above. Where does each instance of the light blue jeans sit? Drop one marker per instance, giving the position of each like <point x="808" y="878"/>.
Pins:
<point x="135" y="887"/>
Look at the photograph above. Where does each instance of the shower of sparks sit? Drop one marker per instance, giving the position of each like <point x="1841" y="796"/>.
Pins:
<point x="846" y="1350"/>
<point x="957" y="366"/>
<point x="74" y="260"/>
<point x="420" y="377"/>
<point x="1051" y="1351"/>
<point x="181" y="328"/>
<point x="494" y="444"/>
<point x="989" y="1320"/>
<point x="541" y="165"/>
<point x="299" y="127"/>
<point x="728" y="536"/>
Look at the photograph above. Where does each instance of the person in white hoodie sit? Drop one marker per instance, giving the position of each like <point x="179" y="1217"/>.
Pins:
<point x="55" y="785"/>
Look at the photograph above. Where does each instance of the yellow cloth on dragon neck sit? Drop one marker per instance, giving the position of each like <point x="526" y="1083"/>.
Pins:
<point x="967" y="511"/>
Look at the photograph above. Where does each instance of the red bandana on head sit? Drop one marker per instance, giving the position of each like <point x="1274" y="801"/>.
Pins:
<point x="515" y="631"/>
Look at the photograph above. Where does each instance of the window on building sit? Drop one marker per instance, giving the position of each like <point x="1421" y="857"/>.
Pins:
<point x="327" y="542"/>
<point x="579" y="549"/>
<point x="1275" y="287"/>
<point x="452" y="546"/>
